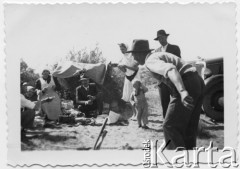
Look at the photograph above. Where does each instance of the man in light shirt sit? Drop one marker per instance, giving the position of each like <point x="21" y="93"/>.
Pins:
<point x="186" y="87"/>
<point x="28" y="109"/>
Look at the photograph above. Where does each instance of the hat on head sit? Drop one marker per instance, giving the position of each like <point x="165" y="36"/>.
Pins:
<point x="161" y="33"/>
<point x="24" y="83"/>
<point x="140" y="45"/>
<point x="29" y="88"/>
<point x="83" y="77"/>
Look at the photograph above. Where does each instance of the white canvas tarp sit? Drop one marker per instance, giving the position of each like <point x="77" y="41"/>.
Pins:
<point x="96" y="72"/>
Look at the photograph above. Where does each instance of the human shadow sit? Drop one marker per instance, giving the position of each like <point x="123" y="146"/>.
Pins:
<point x="56" y="138"/>
<point x="155" y="130"/>
<point x="154" y="115"/>
<point x="84" y="148"/>
<point x="214" y="127"/>
<point x="204" y="134"/>
<point x="155" y="121"/>
<point x="52" y="126"/>
<point x="43" y="135"/>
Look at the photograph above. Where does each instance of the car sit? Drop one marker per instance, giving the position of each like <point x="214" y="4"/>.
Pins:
<point x="212" y="73"/>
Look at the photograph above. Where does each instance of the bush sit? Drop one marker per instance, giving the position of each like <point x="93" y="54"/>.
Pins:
<point x="84" y="56"/>
<point x="27" y="74"/>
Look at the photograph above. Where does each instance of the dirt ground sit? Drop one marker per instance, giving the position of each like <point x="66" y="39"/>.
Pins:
<point x="80" y="137"/>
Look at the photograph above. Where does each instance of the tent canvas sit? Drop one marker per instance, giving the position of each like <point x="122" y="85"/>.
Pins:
<point x="109" y="79"/>
<point x="67" y="69"/>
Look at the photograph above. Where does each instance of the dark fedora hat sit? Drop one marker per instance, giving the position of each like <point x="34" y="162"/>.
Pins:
<point x="140" y="45"/>
<point x="161" y="33"/>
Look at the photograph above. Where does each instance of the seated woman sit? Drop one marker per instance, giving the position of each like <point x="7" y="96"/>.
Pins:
<point x="48" y="86"/>
<point x="86" y="97"/>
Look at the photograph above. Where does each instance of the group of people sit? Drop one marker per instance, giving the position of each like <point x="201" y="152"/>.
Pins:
<point x="45" y="99"/>
<point x="180" y="88"/>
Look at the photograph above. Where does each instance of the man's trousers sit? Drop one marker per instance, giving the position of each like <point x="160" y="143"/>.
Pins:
<point x="164" y="94"/>
<point x="180" y="124"/>
<point x="27" y="118"/>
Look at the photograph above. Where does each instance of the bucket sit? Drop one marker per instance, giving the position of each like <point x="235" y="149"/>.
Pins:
<point x="113" y="117"/>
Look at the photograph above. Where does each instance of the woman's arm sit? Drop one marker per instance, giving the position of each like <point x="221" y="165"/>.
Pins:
<point x="132" y="99"/>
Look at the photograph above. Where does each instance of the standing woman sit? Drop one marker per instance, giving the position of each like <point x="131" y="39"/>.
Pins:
<point x="47" y="85"/>
<point x="130" y="67"/>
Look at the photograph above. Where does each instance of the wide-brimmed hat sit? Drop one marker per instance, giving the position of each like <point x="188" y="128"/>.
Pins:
<point x="161" y="33"/>
<point x="140" y="45"/>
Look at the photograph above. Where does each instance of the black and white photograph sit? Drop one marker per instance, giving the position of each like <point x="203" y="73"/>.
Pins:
<point x="114" y="76"/>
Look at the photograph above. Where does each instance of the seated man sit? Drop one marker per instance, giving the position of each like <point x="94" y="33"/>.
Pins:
<point x="28" y="109"/>
<point x="86" y="97"/>
<point x="31" y="94"/>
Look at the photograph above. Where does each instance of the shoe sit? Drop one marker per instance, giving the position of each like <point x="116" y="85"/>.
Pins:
<point x="133" y="118"/>
<point x="145" y="127"/>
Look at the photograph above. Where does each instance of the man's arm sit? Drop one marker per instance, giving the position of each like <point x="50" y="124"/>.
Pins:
<point x="26" y="103"/>
<point x="176" y="79"/>
<point x="40" y="102"/>
<point x="178" y="52"/>
<point x="174" y="49"/>
<point x="32" y="105"/>
<point x="158" y="65"/>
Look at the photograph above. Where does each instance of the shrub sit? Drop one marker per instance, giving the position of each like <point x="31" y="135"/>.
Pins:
<point x="27" y="74"/>
<point x="85" y="56"/>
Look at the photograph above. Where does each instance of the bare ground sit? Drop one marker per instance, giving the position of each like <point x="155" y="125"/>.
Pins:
<point x="80" y="137"/>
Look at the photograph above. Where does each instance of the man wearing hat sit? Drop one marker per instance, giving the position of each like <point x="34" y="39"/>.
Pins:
<point x="28" y="109"/>
<point x="165" y="47"/>
<point x="186" y="88"/>
<point x="86" y="95"/>
<point x="31" y="93"/>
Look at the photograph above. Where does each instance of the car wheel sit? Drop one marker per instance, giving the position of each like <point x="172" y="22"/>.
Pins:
<point x="213" y="103"/>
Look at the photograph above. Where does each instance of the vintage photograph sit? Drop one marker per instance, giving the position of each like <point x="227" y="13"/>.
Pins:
<point x="110" y="77"/>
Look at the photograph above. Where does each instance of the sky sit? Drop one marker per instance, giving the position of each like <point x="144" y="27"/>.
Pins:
<point x="42" y="34"/>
